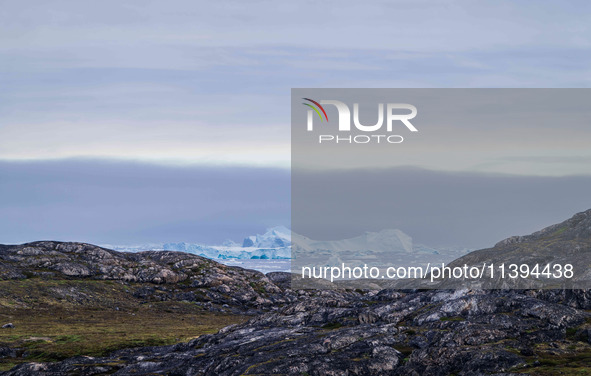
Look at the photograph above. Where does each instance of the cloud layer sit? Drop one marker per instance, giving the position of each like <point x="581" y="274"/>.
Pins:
<point x="208" y="82"/>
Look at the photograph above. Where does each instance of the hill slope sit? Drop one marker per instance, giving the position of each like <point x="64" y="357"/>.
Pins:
<point x="568" y="242"/>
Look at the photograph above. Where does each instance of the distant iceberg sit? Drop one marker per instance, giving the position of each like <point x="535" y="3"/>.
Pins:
<point x="273" y="244"/>
<point x="276" y="237"/>
<point x="276" y="244"/>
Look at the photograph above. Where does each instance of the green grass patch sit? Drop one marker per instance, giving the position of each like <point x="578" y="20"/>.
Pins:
<point x="52" y="334"/>
<point x="452" y="318"/>
<point x="574" y="360"/>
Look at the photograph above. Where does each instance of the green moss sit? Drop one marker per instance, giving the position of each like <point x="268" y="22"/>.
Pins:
<point x="258" y="287"/>
<point x="332" y="325"/>
<point x="575" y="360"/>
<point x="257" y="365"/>
<point x="453" y="318"/>
<point x="571" y="332"/>
<point x="559" y="231"/>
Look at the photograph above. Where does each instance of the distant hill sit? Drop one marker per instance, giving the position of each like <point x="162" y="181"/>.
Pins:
<point x="568" y="242"/>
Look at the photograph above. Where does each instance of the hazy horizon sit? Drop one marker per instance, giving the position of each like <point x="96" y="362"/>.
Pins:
<point x="124" y="203"/>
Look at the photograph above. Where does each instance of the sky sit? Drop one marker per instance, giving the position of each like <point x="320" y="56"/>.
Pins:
<point x="132" y="203"/>
<point x="126" y="91"/>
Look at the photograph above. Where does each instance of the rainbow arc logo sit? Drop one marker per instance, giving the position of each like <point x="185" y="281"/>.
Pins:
<point x="319" y="107"/>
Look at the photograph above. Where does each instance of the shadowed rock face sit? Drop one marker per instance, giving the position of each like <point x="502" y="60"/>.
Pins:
<point x="385" y="333"/>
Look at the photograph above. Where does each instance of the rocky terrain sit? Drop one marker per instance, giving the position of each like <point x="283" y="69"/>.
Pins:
<point x="333" y="331"/>
<point x="382" y="333"/>
<point x="150" y="276"/>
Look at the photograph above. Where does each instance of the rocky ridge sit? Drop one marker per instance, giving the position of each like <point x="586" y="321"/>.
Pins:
<point x="150" y="275"/>
<point x="568" y="242"/>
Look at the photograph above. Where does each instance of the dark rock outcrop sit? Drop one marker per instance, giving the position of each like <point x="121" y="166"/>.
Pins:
<point x="385" y="333"/>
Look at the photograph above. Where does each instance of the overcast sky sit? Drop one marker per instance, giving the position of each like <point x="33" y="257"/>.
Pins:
<point x="188" y="87"/>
